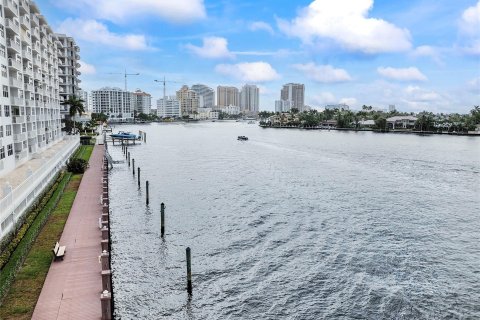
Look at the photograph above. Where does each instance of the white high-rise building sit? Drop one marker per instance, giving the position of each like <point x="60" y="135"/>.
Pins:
<point x="85" y="97"/>
<point x="205" y="94"/>
<point x="249" y="99"/>
<point x="169" y="108"/>
<point x="143" y="102"/>
<point x="117" y="104"/>
<point x="294" y="92"/>
<point x="283" y="106"/>
<point x="68" y="60"/>
<point x="30" y="119"/>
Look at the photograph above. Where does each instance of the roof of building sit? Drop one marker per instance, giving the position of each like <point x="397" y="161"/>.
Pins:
<point x="402" y="118"/>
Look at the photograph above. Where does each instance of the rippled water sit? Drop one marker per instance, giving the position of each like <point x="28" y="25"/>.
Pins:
<point x="297" y="225"/>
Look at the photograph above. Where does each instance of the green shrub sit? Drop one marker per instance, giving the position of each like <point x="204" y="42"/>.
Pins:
<point x="77" y="165"/>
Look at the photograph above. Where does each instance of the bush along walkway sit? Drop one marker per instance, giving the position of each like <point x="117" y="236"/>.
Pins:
<point x="34" y="249"/>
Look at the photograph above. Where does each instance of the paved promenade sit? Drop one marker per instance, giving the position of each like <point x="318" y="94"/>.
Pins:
<point x="73" y="286"/>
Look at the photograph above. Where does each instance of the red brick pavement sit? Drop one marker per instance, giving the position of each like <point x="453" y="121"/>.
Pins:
<point x="73" y="286"/>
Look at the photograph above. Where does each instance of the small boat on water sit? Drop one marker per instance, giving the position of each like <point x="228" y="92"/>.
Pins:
<point x="242" y="138"/>
<point x="124" y="135"/>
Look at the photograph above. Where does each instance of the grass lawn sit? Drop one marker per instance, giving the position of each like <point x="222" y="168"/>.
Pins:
<point x="24" y="292"/>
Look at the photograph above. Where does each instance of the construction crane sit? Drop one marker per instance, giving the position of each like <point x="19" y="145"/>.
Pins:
<point x="125" y="74"/>
<point x="164" y="81"/>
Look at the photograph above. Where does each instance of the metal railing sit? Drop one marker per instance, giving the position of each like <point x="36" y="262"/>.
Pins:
<point x="16" y="202"/>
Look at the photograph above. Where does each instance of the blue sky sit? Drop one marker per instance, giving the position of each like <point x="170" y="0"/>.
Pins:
<point x="418" y="54"/>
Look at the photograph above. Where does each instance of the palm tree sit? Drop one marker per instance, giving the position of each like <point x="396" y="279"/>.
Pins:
<point x="76" y="106"/>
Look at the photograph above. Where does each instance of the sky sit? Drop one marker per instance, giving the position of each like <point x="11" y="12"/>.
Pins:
<point x="417" y="54"/>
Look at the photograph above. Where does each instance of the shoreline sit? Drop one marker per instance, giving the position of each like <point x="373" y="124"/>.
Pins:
<point x="378" y="131"/>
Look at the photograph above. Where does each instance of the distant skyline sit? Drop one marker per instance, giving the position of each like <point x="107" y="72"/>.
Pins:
<point x="419" y="54"/>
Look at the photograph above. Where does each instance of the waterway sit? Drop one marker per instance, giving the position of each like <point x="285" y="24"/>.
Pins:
<point x="296" y="224"/>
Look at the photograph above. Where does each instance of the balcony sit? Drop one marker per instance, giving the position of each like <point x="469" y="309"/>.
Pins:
<point x="29" y="87"/>
<point x="37" y="75"/>
<point x="36" y="47"/>
<point x="12" y="25"/>
<point x="37" y="62"/>
<point x="16" y="83"/>
<point x="21" y="155"/>
<point x="15" y="64"/>
<point x="25" y="22"/>
<point x="14" y="45"/>
<point x="11" y="7"/>
<point x="24" y="6"/>
<point x="16" y="101"/>
<point x="19" y="137"/>
<point x="27" y="54"/>
<point x="32" y="134"/>
<point x="35" y="21"/>
<point x="36" y="34"/>
<point x="28" y="71"/>
<point x="18" y="119"/>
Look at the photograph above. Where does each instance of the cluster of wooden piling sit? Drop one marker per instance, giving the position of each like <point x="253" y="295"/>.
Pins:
<point x="107" y="287"/>
<point x="131" y="162"/>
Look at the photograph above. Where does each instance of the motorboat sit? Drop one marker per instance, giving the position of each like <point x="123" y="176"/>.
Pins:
<point x="124" y="135"/>
<point x="242" y="138"/>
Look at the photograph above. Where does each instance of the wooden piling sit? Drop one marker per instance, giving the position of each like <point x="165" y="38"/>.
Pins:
<point x="189" y="272"/>
<point x="147" y="192"/>
<point x="139" y="177"/>
<point x="133" y="165"/>
<point x="162" y="219"/>
<point x="128" y="157"/>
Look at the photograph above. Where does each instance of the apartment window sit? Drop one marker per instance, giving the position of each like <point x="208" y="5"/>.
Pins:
<point x="9" y="149"/>
<point x="6" y="110"/>
<point x="5" y="91"/>
<point x="2" y="153"/>
<point x="2" y="50"/>
<point x="4" y="71"/>
<point x="2" y="31"/>
<point x="8" y="130"/>
<point x="1" y="131"/>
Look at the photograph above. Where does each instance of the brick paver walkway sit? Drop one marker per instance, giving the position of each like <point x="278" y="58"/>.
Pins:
<point x="73" y="286"/>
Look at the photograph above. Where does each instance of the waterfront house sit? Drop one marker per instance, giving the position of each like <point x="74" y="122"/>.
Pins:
<point x="401" y="122"/>
<point x="329" y="123"/>
<point x="367" y="124"/>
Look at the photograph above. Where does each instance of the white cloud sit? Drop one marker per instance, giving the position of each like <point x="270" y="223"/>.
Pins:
<point x="429" y="51"/>
<point x="260" y="25"/>
<point x="346" y="23"/>
<point x="323" y="73"/>
<point x="470" y="29"/>
<point x="87" y="69"/>
<point x="402" y="74"/>
<point x="249" y="71"/>
<point x="177" y="11"/>
<point x="351" y="102"/>
<point x="474" y="85"/>
<point x="470" y="21"/>
<point x="213" y="48"/>
<point x="323" y="98"/>
<point x="96" y="32"/>
<point x="417" y="94"/>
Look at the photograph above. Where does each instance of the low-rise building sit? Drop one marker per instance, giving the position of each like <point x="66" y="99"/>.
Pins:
<point x="401" y="122"/>
<point x="232" y="110"/>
